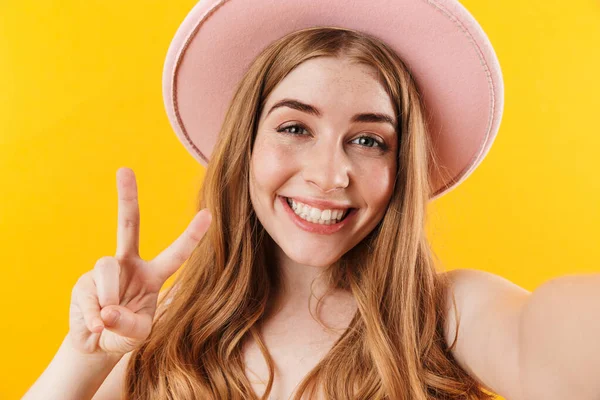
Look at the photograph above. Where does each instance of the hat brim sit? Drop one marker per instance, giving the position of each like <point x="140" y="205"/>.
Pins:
<point x="444" y="47"/>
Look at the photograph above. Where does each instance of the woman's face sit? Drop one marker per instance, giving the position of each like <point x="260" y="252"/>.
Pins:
<point x="324" y="159"/>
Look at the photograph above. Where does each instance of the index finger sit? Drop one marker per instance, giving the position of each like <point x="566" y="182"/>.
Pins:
<point x="169" y="261"/>
<point x="128" y="225"/>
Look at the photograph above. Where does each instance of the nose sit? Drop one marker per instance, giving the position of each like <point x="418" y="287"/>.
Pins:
<point x="327" y="167"/>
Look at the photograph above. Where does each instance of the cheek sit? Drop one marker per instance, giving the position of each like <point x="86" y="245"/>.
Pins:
<point x="272" y="165"/>
<point x="377" y="183"/>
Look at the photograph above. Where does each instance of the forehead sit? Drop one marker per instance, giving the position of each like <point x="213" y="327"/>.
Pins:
<point x="334" y="84"/>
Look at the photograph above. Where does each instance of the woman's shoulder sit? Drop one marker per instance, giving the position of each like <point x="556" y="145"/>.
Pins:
<point x="488" y="309"/>
<point x="474" y="286"/>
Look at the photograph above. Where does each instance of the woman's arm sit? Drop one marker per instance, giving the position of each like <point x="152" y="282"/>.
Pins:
<point x="560" y="339"/>
<point x="72" y="375"/>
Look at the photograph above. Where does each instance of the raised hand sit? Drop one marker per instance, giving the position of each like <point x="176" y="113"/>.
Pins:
<point x="113" y="305"/>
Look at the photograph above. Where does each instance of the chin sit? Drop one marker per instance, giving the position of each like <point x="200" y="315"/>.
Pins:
<point x="311" y="258"/>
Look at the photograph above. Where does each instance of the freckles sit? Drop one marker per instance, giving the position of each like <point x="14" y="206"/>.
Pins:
<point x="271" y="163"/>
<point x="376" y="180"/>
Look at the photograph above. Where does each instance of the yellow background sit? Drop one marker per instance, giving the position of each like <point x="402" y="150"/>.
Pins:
<point x="80" y="96"/>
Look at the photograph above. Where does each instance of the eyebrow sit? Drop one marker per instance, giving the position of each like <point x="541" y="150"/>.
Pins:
<point x="307" y="108"/>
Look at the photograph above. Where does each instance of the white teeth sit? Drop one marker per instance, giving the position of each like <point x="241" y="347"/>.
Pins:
<point x="315" y="215"/>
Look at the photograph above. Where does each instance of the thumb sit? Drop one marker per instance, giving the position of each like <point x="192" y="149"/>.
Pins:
<point x="124" y="322"/>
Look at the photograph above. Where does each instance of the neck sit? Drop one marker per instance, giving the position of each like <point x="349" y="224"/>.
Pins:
<point x="301" y="286"/>
<point x="298" y="281"/>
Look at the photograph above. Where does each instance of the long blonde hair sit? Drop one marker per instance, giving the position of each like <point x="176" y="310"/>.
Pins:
<point x="394" y="347"/>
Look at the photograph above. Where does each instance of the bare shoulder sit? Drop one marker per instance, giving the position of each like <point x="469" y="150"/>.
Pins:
<point x="488" y="310"/>
<point x="476" y="286"/>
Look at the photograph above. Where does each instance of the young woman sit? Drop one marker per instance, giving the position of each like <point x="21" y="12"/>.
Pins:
<point x="308" y="271"/>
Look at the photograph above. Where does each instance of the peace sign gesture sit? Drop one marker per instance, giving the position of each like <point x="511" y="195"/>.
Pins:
<point x="113" y="305"/>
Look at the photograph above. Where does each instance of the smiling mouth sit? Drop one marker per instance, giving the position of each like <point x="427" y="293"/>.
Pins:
<point x="317" y="215"/>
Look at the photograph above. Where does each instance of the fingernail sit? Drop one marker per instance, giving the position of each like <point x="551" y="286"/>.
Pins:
<point x="112" y="317"/>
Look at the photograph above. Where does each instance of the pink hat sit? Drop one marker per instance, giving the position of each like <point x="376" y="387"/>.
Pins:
<point x="444" y="47"/>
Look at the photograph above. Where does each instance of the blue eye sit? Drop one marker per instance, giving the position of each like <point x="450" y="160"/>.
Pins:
<point x="368" y="141"/>
<point x="363" y="141"/>
<point x="288" y="129"/>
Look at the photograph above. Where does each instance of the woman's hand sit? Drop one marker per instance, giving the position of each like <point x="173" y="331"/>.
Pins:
<point x="113" y="305"/>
